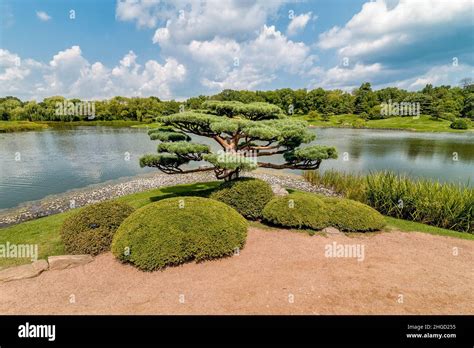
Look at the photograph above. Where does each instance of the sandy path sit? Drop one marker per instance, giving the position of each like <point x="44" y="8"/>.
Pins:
<point x="278" y="272"/>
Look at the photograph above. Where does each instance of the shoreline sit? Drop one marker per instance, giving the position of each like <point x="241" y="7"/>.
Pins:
<point x="75" y="198"/>
<point x="412" y="130"/>
<point x="43" y="125"/>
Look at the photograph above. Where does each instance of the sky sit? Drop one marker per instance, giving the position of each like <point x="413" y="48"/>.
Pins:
<point x="176" y="49"/>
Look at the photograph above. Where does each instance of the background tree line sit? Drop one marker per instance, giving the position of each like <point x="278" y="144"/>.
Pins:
<point x="440" y="102"/>
<point x="117" y="108"/>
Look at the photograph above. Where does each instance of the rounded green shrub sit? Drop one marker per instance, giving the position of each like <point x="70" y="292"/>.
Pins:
<point x="91" y="229"/>
<point x="297" y="210"/>
<point x="352" y="216"/>
<point x="459" y="124"/>
<point x="247" y="195"/>
<point x="176" y="230"/>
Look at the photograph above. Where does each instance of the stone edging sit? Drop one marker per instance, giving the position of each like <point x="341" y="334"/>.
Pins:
<point x="109" y="190"/>
<point x="37" y="267"/>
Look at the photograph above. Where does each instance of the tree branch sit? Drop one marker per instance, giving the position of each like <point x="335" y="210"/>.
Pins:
<point x="264" y="147"/>
<point x="270" y="153"/>
<point x="176" y="170"/>
<point x="222" y="142"/>
<point x="303" y="166"/>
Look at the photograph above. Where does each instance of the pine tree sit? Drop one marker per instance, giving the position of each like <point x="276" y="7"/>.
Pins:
<point x="245" y="134"/>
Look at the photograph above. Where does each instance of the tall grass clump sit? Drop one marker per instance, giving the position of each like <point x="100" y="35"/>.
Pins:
<point x="444" y="205"/>
<point x="350" y="185"/>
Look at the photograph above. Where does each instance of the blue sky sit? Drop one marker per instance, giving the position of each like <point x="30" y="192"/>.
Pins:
<point x="181" y="48"/>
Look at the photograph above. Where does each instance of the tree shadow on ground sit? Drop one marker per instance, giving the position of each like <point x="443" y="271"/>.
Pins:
<point x="195" y="190"/>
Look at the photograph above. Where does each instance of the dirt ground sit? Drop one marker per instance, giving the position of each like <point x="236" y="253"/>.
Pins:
<point x="278" y="272"/>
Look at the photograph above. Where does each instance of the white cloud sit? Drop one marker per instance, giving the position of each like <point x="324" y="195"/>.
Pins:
<point x="379" y="28"/>
<point x="298" y="23"/>
<point x="153" y="79"/>
<point x="347" y="78"/>
<point x="224" y="61"/>
<point x="8" y="61"/>
<point x="247" y="77"/>
<point x="225" y="18"/>
<point x="225" y="43"/>
<point x="217" y="63"/>
<point x="216" y="57"/>
<point x="182" y="21"/>
<point x="162" y="34"/>
<point x="94" y="82"/>
<point x="447" y="74"/>
<point x="16" y="74"/>
<point x="64" y="69"/>
<point x="216" y="44"/>
<point x="43" y="16"/>
<point x="146" y="13"/>
<point x="71" y="75"/>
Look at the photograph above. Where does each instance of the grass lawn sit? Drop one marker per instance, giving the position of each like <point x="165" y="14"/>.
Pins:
<point x="410" y="226"/>
<point x="114" y="123"/>
<point x="45" y="231"/>
<point x="20" y="126"/>
<point x="422" y="124"/>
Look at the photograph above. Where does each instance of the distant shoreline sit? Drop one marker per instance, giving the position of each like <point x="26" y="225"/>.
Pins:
<point x="396" y="124"/>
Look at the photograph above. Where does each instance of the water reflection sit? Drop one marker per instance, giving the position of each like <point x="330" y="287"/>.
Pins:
<point x="55" y="161"/>
<point x="430" y="155"/>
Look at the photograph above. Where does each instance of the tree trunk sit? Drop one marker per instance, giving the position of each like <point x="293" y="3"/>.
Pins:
<point x="232" y="175"/>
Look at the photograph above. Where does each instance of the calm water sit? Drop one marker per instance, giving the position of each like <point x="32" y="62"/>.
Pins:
<point x="36" y="164"/>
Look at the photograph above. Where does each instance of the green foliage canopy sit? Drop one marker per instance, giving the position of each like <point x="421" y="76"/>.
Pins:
<point x="245" y="132"/>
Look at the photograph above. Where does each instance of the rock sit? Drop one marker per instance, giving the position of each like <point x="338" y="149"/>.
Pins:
<point x="332" y="231"/>
<point x="24" y="271"/>
<point x="278" y="190"/>
<point x="68" y="261"/>
<point x="40" y="265"/>
<point x="82" y="197"/>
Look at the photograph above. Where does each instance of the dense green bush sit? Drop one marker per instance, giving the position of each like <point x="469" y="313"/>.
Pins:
<point x="314" y="115"/>
<point x="352" y="216"/>
<point x="297" y="210"/>
<point x="359" y="123"/>
<point x="91" y="229"/>
<point x="459" y="124"/>
<point x="448" y="116"/>
<point x="248" y="196"/>
<point x="175" y="230"/>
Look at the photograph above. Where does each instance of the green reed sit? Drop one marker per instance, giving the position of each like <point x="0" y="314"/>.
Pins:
<point x="445" y="205"/>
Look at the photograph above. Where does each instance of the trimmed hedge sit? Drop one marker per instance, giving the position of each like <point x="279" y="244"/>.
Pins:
<point x="176" y="230"/>
<point x="317" y="212"/>
<point x="248" y="196"/>
<point x="352" y="216"/>
<point x="297" y="210"/>
<point x="91" y="229"/>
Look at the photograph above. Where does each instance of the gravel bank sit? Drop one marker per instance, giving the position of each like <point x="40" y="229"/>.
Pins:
<point x="97" y="193"/>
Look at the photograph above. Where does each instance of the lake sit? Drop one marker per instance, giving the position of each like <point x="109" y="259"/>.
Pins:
<point x="36" y="164"/>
